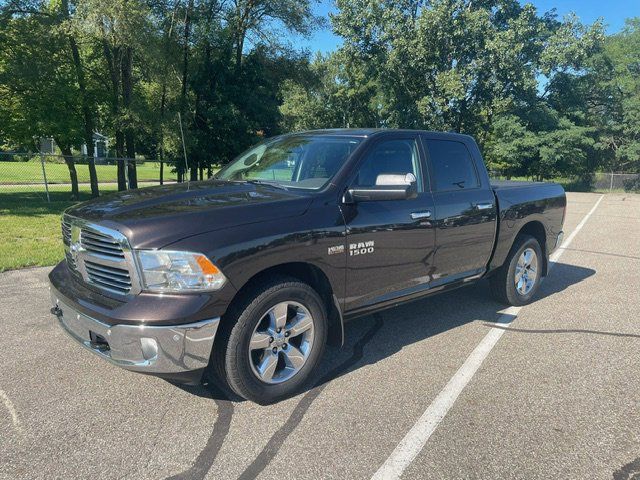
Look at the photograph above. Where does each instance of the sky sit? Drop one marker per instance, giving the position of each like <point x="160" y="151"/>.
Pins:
<point x="613" y="12"/>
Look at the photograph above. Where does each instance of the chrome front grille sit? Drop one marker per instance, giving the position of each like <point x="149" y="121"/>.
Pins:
<point x="100" y="256"/>
<point x="108" y="277"/>
<point x="66" y="232"/>
<point x="101" y="244"/>
<point x="66" y="240"/>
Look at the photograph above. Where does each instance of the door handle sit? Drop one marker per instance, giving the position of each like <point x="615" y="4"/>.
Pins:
<point x="421" y="215"/>
<point x="484" y="206"/>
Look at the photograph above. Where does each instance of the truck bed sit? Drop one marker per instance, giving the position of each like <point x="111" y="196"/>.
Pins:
<point x="520" y="203"/>
<point x="504" y="184"/>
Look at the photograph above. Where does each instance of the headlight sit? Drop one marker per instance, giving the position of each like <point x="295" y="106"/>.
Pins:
<point x="174" y="271"/>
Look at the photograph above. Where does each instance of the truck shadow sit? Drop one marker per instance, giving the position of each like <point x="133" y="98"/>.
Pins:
<point x="431" y="316"/>
<point x="413" y="322"/>
<point x="388" y="332"/>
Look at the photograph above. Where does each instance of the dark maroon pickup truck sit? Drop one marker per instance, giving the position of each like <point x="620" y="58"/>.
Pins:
<point x="247" y="276"/>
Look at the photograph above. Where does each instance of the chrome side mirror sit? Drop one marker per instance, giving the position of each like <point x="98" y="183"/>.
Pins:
<point x="389" y="186"/>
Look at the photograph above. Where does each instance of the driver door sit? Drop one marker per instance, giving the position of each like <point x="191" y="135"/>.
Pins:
<point x="390" y="243"/>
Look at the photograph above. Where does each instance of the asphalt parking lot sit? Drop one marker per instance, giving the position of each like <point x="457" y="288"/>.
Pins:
<point x="558" y="395"/>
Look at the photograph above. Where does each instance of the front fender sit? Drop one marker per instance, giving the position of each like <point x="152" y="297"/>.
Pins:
<point x="247" y="250"/>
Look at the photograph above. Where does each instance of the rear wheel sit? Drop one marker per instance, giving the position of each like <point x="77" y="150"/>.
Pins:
<point x="272" y="340"/>
<point x="518" y="280"/>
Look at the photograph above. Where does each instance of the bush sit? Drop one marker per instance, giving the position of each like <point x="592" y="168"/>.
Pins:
<point x="632" y="184"/>
<point x="14" y="157"/>
<point x="576" y="184"/>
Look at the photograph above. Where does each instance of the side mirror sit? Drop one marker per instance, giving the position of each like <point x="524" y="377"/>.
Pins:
<point x="389" y="186"/>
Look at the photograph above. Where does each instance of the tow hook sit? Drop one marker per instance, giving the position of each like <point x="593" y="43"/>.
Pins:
<point x="57" y="311"/>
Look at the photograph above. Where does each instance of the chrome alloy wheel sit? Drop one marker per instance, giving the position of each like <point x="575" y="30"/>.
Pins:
<point x="526" y="271"/>
<point x="281" y="342"/>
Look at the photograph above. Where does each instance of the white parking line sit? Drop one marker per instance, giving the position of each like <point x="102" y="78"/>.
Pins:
<point x="12" y="411"/>
<point x="413" y="442"/>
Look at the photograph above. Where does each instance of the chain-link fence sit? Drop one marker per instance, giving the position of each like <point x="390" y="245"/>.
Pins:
<point x="627" y="182"/>
<point x="53" y="176"/>
<point x="597" y="182"/>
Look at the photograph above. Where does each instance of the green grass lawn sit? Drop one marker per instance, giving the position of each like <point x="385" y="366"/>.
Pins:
<point x="30" y="227"/>
<point x="31" y="172"/>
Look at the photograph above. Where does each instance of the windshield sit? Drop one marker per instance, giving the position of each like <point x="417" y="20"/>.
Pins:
<point x="296" y="161"/>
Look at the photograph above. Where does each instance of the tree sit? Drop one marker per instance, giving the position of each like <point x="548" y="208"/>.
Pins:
<point x="612" y="93"/>
<point x="260" y="19"/>
<point x="120" y="30"/>
<point x="455" y="65"/>
<point x="543" y="96"/>
<point x="334" y="91"/>
<point x="41" y="94"/>
<point x="236" y="64"/>
<point x="85" y="102"/>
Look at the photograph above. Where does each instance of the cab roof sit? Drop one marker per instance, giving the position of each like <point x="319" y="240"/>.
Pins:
<point x="368" y="132"/>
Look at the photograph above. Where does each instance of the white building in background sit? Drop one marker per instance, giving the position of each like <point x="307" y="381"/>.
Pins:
<point x="100" y="146"/>
<point x="99" y="150"/>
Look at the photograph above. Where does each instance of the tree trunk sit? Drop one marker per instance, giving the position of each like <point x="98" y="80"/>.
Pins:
<point x="185" y="75"/>
<point x="121" y="164"/>
<point x="114" y="59"/>
<point x="88" y="120"/>
<point x="160" y="145"/>
<point x="86" y="106"/>
<point x="239" y="48"/>
<point x="131" y="165"/>
<point x="129" y="136"/>
<point x="163" y="99"/>
<point x="243" y="19"/>
<point x="185" y="72"/>
<point x="73" y="174"/>
<point x="193" y="171"/>
<point x="185" y="56"/>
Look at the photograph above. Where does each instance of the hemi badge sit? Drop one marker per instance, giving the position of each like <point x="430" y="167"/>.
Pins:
<point x="336" y="249"/>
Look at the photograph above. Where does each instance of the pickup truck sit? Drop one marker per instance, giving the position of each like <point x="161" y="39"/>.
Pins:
<point x="244" y="278"/>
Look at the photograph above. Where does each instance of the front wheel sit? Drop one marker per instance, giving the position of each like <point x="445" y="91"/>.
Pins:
<point x="272" y="340"/>
<point x="518" y="280"/>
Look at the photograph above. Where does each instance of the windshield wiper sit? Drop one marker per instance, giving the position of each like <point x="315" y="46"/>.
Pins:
<point x="267" y="182"/>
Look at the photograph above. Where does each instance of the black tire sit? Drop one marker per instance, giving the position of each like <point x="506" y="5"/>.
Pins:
<point x="503" y="286"/>
<point x="231" y="361"/>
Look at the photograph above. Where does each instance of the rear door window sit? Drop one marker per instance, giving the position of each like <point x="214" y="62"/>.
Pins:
<point x="453" y="167"/>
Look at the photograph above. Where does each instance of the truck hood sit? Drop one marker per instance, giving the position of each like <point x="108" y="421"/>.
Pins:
<point x="156" y="216"/>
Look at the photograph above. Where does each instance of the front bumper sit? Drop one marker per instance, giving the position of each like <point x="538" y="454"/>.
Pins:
<point x="169" y="350"/>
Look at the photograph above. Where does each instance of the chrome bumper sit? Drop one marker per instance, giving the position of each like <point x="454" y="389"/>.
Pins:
<point x="141" y="348"/>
